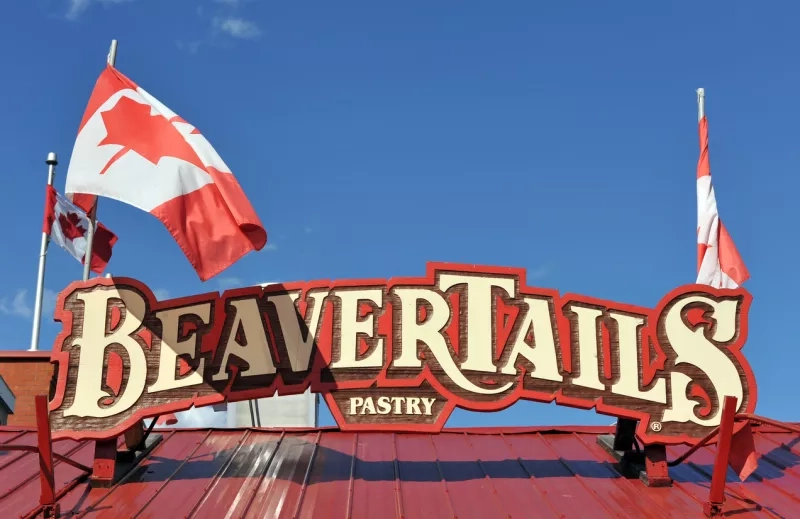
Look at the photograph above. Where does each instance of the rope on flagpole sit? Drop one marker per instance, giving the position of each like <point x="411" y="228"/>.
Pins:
<point x="87" y="259"/>
<point x="52" y="162"/>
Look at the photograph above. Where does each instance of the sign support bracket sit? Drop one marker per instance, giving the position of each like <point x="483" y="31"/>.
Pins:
<point x="111" y="464"/>
<point x="649" y="464"/>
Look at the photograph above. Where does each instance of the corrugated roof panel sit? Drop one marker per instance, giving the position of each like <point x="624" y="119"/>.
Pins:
<point x="668" y="502"/>
<point x="208" y="459"/>
<point x="281" y="487"/>
<point x="149" y="478"/>
<point x="515" y="489"/>
<point x="375" y="488"/>
<point x="329" y="485"/>
<point x="423" y="491"/>
<point x="464" y="476"/>
<point x="256" y="473"/>
<point x="598" y="475"/>
<point x="235" y="484"/>
<point x="759" y="491"/>
<point x="567" y="495"/>
<point x="29" y="489"/>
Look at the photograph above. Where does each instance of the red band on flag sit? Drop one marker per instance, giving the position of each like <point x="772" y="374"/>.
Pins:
<point x="49" y="209"/>
<point x="703" y="167"/>
<point x="743" y="458"/>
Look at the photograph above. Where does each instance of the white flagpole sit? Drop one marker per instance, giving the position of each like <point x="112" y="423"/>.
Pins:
<point x="87" y="260"/>
<point x="52" y="162"/>
<point x="701" y="103"/>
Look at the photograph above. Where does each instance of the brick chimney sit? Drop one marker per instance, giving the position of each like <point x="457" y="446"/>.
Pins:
<point x="27" y="374"/>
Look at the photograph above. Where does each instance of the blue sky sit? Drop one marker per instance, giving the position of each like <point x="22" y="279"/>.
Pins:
<point x="372" y="137"/>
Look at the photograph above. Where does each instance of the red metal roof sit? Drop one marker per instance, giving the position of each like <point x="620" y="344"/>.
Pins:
<point x="464" y="473"/>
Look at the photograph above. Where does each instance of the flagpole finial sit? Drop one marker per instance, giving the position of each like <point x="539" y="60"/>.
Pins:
<point x="112" y="53"/>
<point x="701" y="103"/>
<point x="52" y="159"/>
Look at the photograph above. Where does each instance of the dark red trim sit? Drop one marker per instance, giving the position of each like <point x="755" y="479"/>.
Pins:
<point x="42" y="355"/>
<point x="45" y="444"/>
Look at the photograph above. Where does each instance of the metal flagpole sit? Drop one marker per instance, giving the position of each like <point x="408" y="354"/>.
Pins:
<point x="52" y="162"/>
<point x="701" y="103"/>
<point x="87" y="259"/>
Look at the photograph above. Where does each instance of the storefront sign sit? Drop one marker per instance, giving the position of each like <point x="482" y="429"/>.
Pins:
<point x="401" y="354"/>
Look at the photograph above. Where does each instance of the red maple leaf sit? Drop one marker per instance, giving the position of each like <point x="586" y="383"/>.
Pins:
<point x="70" y="226"/>
<point x="129" y="124"/>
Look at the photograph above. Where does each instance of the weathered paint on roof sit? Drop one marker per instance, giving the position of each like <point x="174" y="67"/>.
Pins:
<point x="464" y="473"/>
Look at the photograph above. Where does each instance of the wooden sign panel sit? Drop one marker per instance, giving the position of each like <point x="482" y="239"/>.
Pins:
<point x="400" y="354"/>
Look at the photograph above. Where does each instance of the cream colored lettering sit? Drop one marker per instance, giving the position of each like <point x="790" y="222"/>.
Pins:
<point x="587" y="347"/>
<point x="542" y="354"/>
<point x="428" y="404"/>
<point x="172" y="347"/>
<point x="628" y="383"/>
<point x="398" y="402"/>
<point x="479" y="316"/>
<point x="350" y="327"/>
<point x="355" y="403"/>
<point x="92" y="344"/>
<point x="257" y="352"/>
<point x="693" y="348"/>
<point x="430" y="333"/>
<point x="369" y="406"/>
<point x="384" y="405"/>
<point x="298" y="348"/>
<point x="412" y="405"/>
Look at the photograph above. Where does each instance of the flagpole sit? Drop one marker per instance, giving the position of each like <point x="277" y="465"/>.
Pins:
<point x="701" y="103"/>
<point x="87" y="259"/>
<point x="52" y="162"/>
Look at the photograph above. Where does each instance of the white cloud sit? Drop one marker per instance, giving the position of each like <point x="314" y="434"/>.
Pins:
<point x="307" y="230"/>
<point x="161" y="294"/>
<point x="202" y="417"/>
<point x="78" y="7"/>
<point x="232" y="3"/>
<point x="19" y="306"/>
<point x="270" y="246"/>
<point x="48" y="302"/>
<point x="237" y="27"/>
<point x="538" y="273"/>
<point x="190" y="46"/>
<point x="229" y="282"/>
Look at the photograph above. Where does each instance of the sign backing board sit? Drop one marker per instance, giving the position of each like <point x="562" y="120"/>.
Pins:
<point x="400" y="354"/>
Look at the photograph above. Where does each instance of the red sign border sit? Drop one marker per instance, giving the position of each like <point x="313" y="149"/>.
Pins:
<point x="277" y="388"/>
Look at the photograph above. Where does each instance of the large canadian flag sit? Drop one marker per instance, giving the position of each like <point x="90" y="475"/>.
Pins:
<point x="718" y="262"/>
<point x="67" y="226"/>
<point x="132" y="148"/>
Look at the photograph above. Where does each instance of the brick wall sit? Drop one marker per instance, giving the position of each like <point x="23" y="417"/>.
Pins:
<point x="27" y="374"/>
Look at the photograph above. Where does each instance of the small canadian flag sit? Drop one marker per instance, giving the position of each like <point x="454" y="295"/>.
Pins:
<point x="67" y="226"/>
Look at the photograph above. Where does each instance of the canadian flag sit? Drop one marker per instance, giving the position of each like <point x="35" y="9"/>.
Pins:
<point x="132" y="148"/>
<point x="720" y="265"/>
<point x="67" y="226"/>
<point x="718" y="262"/>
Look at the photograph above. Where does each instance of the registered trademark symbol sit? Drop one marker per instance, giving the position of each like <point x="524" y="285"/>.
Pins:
<point x="656" y="426"/>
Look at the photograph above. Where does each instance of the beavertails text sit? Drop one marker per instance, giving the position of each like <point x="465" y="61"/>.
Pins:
<point x="400" y="354"/>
